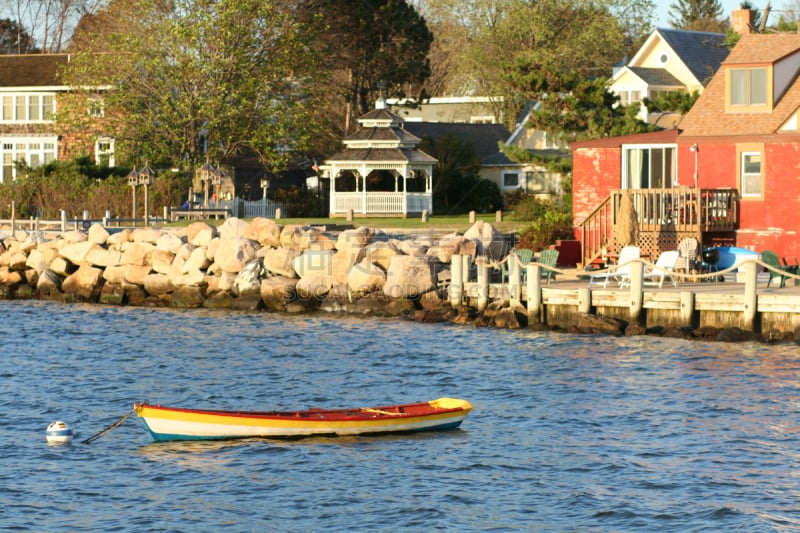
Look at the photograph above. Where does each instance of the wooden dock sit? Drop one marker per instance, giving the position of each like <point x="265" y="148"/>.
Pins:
<point x="742" y="301"/>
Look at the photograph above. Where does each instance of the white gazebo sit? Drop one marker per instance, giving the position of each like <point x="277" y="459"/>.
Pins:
<point x="381" y="172"/>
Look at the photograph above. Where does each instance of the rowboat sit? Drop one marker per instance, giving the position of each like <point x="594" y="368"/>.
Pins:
<point x="171" y="423"/>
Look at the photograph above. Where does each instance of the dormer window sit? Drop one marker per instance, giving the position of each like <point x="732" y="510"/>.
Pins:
<point x="748" y="89"/>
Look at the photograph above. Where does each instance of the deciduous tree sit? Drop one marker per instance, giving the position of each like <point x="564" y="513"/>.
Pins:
<point x="182" y="80"/>
<point x="370" y="46"/>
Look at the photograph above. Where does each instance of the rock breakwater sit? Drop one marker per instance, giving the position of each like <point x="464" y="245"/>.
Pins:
<point x="255" y="265"/>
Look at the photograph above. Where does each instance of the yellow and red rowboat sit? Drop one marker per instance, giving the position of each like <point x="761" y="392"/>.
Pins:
<point x="170" y="423"/>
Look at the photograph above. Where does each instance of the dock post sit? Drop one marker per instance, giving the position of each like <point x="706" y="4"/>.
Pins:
<point x="534" y="288"/>
<point x="585" y="300"/>
<point x="13" y="217"/>
<point x="687" y="309"/>
<point x="456" y="280"/>
<point x="750" y="296"/>
<point x="466" y="263"/>
<point x="637" y="297"/>
<point x="514" y="288"/>
<point x="483" y="285"/>
<point x="63" y="221"/>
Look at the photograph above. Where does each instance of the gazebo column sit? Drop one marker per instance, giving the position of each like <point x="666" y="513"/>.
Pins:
<point x="405" y="190"/>
<point x="364" y="174"/>
<point x="332" y="188"/>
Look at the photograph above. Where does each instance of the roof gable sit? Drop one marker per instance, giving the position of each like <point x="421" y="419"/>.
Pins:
<point x="708" y="116"/>
<point x="691" y="56"/>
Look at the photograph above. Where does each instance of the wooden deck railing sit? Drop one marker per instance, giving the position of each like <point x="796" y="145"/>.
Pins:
<point x="684" y="211"/>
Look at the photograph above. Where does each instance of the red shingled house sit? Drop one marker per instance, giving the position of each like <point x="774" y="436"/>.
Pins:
<point x="730" y="173"/>
<point x="31" y="95"/>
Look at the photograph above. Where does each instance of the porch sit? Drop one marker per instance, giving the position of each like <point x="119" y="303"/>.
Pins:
<point x="665" y="217"/>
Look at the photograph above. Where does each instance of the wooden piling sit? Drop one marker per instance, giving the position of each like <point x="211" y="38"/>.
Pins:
<point x="456" y="280"/>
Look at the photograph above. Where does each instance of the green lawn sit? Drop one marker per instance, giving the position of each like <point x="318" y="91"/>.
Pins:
<point x="449" y="223"/>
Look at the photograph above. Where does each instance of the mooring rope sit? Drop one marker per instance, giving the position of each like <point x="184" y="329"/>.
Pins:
<point x="109" y="428"/>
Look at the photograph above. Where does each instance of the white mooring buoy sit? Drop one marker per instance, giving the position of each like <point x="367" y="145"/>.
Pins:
<point x="59" y="432"/>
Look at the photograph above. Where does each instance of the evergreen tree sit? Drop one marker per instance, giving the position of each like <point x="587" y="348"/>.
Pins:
<point x="698" y="15"/>
<point x="14" y="39"/>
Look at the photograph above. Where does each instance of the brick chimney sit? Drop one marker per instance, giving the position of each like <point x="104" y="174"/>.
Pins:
<point x="742" y="21"/>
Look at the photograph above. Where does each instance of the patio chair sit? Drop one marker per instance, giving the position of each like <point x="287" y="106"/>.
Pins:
<point x="776" y="270"/>
<point x="548" y="258"/>
<point x="687" y="255"/>
<point x="662" y="270"/>
<point x="626" y="255"/>
<point x="525" y="256"/>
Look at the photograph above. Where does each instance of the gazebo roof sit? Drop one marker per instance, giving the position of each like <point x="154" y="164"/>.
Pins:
<point x="371" y="155"/>
<point x="383" y="134"/>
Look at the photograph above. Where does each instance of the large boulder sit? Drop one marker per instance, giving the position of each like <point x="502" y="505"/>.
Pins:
<point x="233" y="254"/>
<point x="343" y="261"/>
<point x="353" y="238"/>
<point x="248" y="281"/>
<point x="49" y="283"/>
<point x="137" y="253"/>
<point x="222" y="283"/>
<point x="197" y="260"/>
<point x="233" y="228"/>
<point x="292" y="237"/>
<point x="169" y="242"/>
<point x="365" y="277"/>
<point x="98" y="234"/>
<point x="158" y="284"/>
<point x="200" y="233"/>
<point x="84" y="284"/>
<point x="313" y="287"/>
<point x="264" y="231"/>
<point x="277" y="293"/>
<point x="76" y="253"/>
<point x="279" y="262"/>
<point x="314" y="263"/>
<point x="491" y="242"/>
<point x="162" y="260"/>
<point x="409" y="276"/>
<point x="381" y="253"/>
<point x="148" y="235"/>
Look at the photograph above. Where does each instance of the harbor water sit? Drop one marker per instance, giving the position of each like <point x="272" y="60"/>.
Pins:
<point x="568" y="433"/>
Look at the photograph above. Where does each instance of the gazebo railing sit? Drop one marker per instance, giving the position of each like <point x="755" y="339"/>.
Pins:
<point x="381" y="202"/>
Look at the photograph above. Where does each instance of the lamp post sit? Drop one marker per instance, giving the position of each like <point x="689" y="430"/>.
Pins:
<point x="133" y="181"/>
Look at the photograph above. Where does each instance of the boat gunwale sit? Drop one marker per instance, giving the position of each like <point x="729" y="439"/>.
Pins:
<point x="316" y="414"/>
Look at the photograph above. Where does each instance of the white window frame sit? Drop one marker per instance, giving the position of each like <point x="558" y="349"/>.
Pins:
<point x="100" y="153"/>
<point x="628" y="183"/>
<point x="510" y="173"/>
<point x="27" y="108"/>
<point x="747" y="179"/>
<point x="40" y="150"/>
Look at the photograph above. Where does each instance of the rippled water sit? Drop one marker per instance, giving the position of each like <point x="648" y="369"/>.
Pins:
<point x="569" y="433"/>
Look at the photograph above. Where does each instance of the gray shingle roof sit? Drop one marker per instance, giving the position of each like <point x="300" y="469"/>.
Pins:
<point x="656" y="76"/>
<point x="483" y="137"/>
<point x="382" y="154"/>
<point x="702" y="52"/>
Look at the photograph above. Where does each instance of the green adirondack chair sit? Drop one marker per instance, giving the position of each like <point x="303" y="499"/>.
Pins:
<point x="777" y="270"/>
<point x="548" y="258"/>
<point x="525" y="256"/>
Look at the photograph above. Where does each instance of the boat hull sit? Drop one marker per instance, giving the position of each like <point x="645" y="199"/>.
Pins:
<point x="170" y="424"/>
